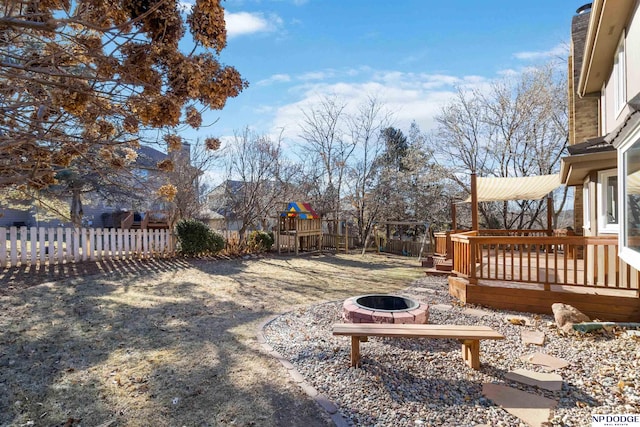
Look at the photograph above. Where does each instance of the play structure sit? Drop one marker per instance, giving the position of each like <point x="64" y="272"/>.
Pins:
<point x="299" y="229"/>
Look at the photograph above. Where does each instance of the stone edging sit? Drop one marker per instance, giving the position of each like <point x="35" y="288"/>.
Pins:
<point x="321" y="400"/>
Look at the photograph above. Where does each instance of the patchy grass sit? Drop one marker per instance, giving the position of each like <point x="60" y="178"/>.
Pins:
<point x="165" y="342"/>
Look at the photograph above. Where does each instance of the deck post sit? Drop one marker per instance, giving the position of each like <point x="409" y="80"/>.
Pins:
<point x="473" y="279"/>
<point x="474" y="202"/>
<point x="549" y="215"/>
<point x="346" y="238"/>
<point x="278" y="237"/>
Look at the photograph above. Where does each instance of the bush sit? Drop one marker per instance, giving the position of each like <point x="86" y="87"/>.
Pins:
<point x="260" y="240"/>
<point x="196" y="238"/>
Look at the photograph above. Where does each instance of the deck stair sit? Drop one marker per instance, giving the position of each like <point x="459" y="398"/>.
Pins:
<point x="443" y="264"/>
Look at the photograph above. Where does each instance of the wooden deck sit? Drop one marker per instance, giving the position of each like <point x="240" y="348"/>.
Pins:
<point x="530" y="273"/>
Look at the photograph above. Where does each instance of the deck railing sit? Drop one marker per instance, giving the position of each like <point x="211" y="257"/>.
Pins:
<point x="494" y="255"/>
<point x="443" y="244"/>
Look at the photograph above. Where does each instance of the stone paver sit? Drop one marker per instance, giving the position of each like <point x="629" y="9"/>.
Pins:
<point x="339" y="420"/>
<point x="309" y="389"/>
<point x="431" y="291"/>
<point x="545" y="360"/>
<point x="296" y="376"/>
<point x="547" y="381"/>
<point x="532" y="337"/>
<point x="285" y="362"/>
<point x="532" y="409"/>
<point x="440" y="307"/>
<point x="325" y="403"/>
<point x="476" y="312"/>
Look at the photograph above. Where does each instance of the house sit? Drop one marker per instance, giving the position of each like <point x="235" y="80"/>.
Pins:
<point x="239" y="201"/>
<point x="104" y="207"/>
<point x="604" y="97"/>
<point x="222" y="204"/>
<point x="597" y="268"/>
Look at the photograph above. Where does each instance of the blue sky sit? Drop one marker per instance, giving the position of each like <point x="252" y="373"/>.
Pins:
<point x="410" y="54"/>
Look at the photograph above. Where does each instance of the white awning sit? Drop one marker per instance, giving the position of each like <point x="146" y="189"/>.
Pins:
<point x="519" y="188"/>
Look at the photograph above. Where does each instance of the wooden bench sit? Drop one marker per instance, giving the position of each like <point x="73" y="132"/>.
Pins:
<point x="469" y="336"/>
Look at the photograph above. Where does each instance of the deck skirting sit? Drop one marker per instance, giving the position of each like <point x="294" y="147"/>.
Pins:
<point x="623" y="307"/>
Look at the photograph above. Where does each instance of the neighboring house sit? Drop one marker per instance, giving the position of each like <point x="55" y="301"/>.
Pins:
<point x="604" y="121"/>
<point x="96" y="211"/>
<point x="221" y="203"/>
<point x="213" y="219"/>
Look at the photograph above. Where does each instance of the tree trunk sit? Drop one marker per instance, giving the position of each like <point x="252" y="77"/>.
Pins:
<point x="76" y="209"/>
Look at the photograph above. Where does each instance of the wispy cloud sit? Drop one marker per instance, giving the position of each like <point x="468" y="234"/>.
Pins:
<point x="243" y="23"/>
<point x="560" y="50"/>
<point x="316" y="75"/>
<point x="304" y="77"/>
<point x="410" y="96"/>
<point x="276" y="78"/>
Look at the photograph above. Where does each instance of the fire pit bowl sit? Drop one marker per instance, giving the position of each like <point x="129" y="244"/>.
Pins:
<point x="381" y="308"/>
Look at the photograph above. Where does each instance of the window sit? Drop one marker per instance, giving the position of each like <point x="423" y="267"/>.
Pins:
<point x="619" y="77"/>
<point x="629" y="174"/>
<point x="608" y="201"/>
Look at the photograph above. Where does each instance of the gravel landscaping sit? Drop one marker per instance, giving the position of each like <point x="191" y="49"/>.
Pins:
<point x="411" y="382"/>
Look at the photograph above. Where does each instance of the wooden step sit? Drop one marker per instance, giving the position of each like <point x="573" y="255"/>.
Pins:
<point x="445" y="266"/>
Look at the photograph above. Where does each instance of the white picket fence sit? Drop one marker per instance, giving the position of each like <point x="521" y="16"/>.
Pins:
<point x="31" y="245"/>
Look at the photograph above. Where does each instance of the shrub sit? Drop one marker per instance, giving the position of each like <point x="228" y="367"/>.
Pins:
<point x="196" y="238"/>
<point x="260" y="240"/>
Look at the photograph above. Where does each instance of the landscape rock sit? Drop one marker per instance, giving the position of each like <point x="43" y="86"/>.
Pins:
<point x="566" y="315"/>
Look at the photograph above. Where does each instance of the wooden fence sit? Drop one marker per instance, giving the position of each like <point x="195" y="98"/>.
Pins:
<point x="406" y="247"/>
<point x="31" y="245"/>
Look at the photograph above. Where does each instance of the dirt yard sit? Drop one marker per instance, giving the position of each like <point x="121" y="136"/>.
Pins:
<point x="165" y="342"/>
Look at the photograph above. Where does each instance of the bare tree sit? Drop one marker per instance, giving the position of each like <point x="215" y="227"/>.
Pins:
<point x="323" y="130"/>
<point x="255" y="164"/>
<point x="365" y="131"/>
<point x="516" y="128"/>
